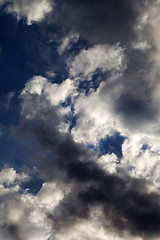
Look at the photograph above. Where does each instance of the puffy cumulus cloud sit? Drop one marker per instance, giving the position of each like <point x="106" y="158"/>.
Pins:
<point x="51" y="194"/>
<point x="9" y="177"/>
<point x="100" y="21"/>
<point x="33" y="11"/>
<point x="141" y="157"/>
<point x="94" y="121"/>
<point x="103" y="57"/>
<point x="23" y="215"/>
<point x="108" y="162"/>
<point x="54" y="93"/>
<point x="43" y="99"/>
<point x="22" y="218"/>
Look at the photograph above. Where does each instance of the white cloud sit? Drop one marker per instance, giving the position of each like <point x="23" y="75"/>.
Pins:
<point x="108" y="162"/>
<point x="32" y="10"/>
<point x="10" y="177"/>
<point x="17" y="213"/>
<point x="50" y="195"/>
<point x="96" y="117"/>
<point x="23" y="215"/>
<point x="141" y="157"/>
<point x="54" y="93"/>
<point x="39" y="95"/>
<point x="103" y="57"/>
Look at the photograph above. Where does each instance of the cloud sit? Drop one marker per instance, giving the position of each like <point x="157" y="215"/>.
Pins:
<point x="24" y="215"/>
<point x="100" y="21"/>
<point x="10" y="177"/>
<point x="33" y="11"/>
<point x="141" y="157"/>
<point x="87" y="229"/>
<point x="67" y="41"/>
<point x="147" y="30"/>
<point x="103" y="57"/>
<point x="94" y="121"/>
<point x="52" y="92"/>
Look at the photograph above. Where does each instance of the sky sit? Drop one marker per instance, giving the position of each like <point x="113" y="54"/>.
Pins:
<point x="79" y="120"/>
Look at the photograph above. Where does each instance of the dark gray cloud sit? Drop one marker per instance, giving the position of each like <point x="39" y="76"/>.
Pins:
<point x="134" y="110"/>
<point x="13" y="230"/>
<point x="102" y="21"/>
<point x="125" y="204"/>
<point x="136" y="103"/>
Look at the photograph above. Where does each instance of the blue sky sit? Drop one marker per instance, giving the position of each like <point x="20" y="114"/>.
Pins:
<point x="79" y="120"/>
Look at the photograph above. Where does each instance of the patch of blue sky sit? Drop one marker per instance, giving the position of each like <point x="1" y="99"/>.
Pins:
<point x="111" y="144"/>
<point x="27" y="51"/>
<point x="15" y="153"/>
<point x="32" y="186"/>
<point x="145" y="147"/>
<point x="10" y="110"/>
<point x="70" y="118"/>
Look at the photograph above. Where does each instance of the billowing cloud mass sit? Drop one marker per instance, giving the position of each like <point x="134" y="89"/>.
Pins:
<point x="84" y="152"/>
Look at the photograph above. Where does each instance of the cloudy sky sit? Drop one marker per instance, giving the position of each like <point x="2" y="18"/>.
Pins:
<point x="79" y="120"/>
